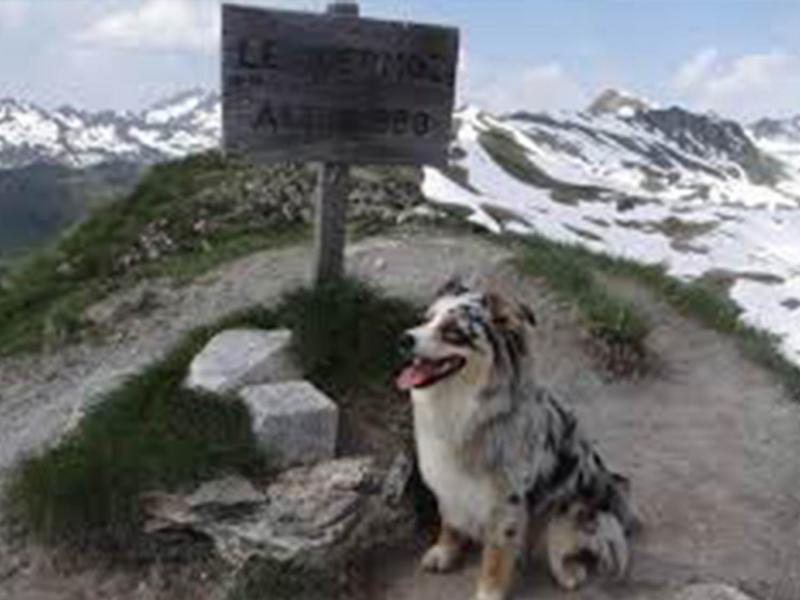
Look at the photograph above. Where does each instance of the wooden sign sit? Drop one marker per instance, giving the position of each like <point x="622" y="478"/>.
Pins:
<point x="319" y="87"/>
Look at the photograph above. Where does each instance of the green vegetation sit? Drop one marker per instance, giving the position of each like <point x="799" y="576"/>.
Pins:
<point x="569" y="271"/>
<point x="512" y="157"/>
<point x="569" y="268"/>
<point x="712" y="307"/>
<point x="679" y="230"/>
<point x="151" y="433"/>
<point x="183" y="218"/>
<point x="40" y="200"/>
<point x="346" y="333"/>
<point x="148" y="433"/>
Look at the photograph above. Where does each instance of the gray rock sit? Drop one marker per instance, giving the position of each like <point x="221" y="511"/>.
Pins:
<point x="217" y="499"/>
<point x="239" y="357"/>
<point x="711" y="591"/>
<point x="312" y="516"/>
<point x="293" y="421"/>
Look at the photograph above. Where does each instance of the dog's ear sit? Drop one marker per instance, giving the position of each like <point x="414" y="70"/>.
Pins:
<point x="454" y="286"/>
<point x="528" y="315"/>
<point x="506" y="314"/>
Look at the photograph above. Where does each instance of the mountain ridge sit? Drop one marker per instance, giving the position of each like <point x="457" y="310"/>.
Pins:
<point x="766" y="152"/>
<point x="76" y="138"/>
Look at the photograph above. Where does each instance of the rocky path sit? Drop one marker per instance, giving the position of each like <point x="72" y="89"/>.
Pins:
<point x="38" y="395"/>
<point x="710" y="441"/>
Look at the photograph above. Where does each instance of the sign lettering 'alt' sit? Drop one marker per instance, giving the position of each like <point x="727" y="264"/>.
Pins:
<point x="300" y="87"/>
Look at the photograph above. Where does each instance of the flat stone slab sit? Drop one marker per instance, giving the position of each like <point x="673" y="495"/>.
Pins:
<point x="294" y="422"/>
<point x="239" y="357"/>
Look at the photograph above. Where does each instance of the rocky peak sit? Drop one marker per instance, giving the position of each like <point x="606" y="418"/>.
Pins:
<point x="779" y="130"/>
<point x="617" y="102"/>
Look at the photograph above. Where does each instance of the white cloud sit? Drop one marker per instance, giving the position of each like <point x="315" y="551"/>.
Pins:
<point x="745" y="87"/>
<point x="12" y="13"/>
<point x="182" y="25"/>
<point x="537" y="88"/>
<point x="694" y="71"/>
<point x="187" y="25"/>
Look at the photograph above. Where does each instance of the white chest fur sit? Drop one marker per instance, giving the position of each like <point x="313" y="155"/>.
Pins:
<point x="466" y="499"/>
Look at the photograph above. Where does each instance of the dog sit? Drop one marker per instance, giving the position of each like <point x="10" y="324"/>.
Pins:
<point x="500" y="452"/>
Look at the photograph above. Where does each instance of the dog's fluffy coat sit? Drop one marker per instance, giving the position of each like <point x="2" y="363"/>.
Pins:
<point x="580" y="539"/>
<point x="502" y="453"/>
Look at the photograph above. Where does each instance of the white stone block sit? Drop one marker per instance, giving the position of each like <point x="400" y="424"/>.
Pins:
<point x="239" y="357"/>
<point x="295" y="423"/>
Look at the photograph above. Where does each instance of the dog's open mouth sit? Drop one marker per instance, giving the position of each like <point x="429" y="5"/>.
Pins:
<point x="424" y="372"/>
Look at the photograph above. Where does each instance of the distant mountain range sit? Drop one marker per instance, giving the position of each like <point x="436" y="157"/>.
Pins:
<point x="55" y="164"/>
<point x="621" y="142"/>
<point x="704" y="195"/>
<point x="180" y="125"/>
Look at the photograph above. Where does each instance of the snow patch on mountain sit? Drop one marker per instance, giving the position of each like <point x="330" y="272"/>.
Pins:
<point x="174" y="108"/>
<point x="633" y="189"/>
<point x="187" y="123"/>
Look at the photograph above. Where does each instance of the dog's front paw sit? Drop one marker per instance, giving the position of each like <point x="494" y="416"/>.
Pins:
<point x="440" y="558"/>
<point x="571" y="576"/>
<point x="490" y="595"/>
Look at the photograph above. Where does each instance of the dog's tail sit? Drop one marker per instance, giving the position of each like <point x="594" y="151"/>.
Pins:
<point x="609" y="547"/>
<point x="581" y="541"/>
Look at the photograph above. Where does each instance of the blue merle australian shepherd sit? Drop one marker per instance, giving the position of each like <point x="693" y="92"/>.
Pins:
<point x="503" y="456"/>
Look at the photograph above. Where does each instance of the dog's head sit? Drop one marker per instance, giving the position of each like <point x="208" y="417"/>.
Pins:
<point x="478" y="337"/>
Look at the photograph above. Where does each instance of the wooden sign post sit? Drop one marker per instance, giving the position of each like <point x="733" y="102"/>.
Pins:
<point x="330" y="199"/>
<point x="335" y="89"/>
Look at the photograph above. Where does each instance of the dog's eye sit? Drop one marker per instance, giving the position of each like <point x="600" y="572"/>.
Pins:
<point x="452" y="334"/>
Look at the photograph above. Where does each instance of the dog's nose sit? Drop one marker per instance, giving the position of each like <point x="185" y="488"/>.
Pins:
<point x="406" y="343"/>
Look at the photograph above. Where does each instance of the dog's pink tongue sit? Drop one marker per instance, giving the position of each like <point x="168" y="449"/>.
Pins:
<point x="414" y="375"/>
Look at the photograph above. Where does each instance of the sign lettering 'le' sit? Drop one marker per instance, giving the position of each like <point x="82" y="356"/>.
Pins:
<point x="307" y="87"/>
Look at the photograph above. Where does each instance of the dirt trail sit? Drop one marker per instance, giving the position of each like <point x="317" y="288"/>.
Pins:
<point x="710" y="442"/>
<point x="38" y="394"/>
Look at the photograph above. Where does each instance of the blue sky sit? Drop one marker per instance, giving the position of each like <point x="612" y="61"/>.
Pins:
<point x="737" y="57"/>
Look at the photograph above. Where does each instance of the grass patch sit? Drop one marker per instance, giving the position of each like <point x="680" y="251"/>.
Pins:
<point x="679" y="229"/>
<point x="149" y="433"/>
<point x="712" y="307"/>
<point x="346" y="333"/>
<point x="568" y="271"/>
<point x="513" y="158"/>
<point x="183" y="218"/>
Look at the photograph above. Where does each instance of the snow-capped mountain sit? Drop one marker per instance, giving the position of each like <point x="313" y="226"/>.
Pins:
<point x="699" y="194"/>
<point x="705" y="196"/>
<point x="620" y="103"/>
<point x="187" y="123"/>
<point x="780" y="137"/>
<point x="777" y="130"/>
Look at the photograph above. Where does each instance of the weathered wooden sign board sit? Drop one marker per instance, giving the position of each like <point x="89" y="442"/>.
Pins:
<point x="318" y="87"/>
